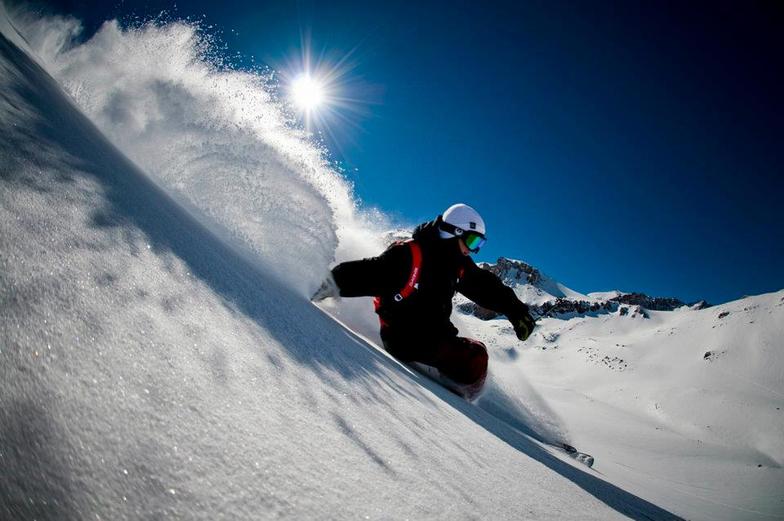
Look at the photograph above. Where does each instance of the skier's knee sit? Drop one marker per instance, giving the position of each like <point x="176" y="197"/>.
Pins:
<point x="476" y="369"/>
<point x="480" y="362"/>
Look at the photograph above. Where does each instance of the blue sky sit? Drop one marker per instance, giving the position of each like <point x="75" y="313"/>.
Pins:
<point x="612" y="145"/>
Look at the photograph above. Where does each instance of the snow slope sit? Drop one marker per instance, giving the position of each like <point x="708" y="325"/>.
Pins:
<point x="685" y="406"/>
<point x="151" y="368"/>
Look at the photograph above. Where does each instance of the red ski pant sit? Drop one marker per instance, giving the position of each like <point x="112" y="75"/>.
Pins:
<point x="464" y="360"/>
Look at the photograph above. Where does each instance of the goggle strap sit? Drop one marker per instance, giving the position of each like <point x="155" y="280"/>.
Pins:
<point x="457" y="231"/>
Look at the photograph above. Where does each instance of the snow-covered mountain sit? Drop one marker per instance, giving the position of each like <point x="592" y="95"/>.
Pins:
<point x="158" y="360"/>
<point x="548" y="297"/>
<point x="531" y="285"/>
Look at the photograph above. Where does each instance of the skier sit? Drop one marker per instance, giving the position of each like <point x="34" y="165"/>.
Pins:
<point x="414" y="282"/>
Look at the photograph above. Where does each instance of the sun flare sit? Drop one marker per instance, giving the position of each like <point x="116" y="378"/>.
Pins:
<point x="307" y="92"/>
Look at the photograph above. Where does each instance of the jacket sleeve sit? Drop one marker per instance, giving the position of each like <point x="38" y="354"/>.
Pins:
<point x="374" y="276"/>
<point x="487" y="290"/>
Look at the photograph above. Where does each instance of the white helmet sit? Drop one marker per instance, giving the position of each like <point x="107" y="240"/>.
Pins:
<point x="463" y="218"/>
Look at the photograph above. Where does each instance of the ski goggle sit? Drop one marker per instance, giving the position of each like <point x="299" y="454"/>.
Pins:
<point x="472" y="239"/>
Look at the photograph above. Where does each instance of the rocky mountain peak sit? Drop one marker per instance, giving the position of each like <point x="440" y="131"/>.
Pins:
<point x="513" y="271"/>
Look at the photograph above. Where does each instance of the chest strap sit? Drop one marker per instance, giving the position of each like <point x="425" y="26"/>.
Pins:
<point x="416" y="267"/>
<point x="413" y="278"/>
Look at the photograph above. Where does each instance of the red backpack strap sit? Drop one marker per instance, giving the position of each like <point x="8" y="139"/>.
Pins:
<point x="416" y="267"/>
<point x="413" y="278"/>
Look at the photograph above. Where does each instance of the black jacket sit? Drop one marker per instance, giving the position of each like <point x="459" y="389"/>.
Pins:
<point x="426" y="312"/>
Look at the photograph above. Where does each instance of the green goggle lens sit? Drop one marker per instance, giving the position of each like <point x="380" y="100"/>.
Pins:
<point x="474" y="241"/>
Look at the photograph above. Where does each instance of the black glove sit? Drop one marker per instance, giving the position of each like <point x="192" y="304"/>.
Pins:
<point x="523" y="325"/>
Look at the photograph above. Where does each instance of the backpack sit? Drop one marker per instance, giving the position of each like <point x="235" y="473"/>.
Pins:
<point x="412" y="283"/>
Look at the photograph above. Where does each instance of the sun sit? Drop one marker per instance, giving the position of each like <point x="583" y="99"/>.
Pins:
<point x="318" y="91"/>
<point x="307" y="92"/>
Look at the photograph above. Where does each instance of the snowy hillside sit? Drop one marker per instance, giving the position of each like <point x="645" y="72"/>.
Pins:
<point x="153" y="370"/>
<point x="685" y="405"/>
<point x="160" y="231"/>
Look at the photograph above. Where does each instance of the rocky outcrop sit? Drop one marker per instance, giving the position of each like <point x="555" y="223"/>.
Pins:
<point x="563" y="306"/>
<point x="652" y="303"/>
<point x="633" y="311"/>
<point x="513" y="272"/>
<point x="557" y="307"/>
